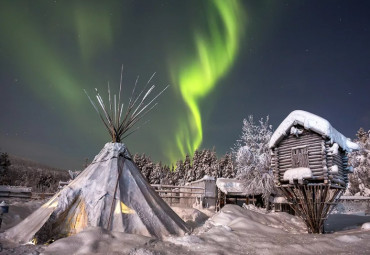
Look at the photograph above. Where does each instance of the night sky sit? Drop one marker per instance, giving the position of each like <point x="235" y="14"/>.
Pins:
<point x="224" y="60"/>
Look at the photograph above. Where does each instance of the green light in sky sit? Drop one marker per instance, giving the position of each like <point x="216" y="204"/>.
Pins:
<point x="35" y="56"/>
<point x="45" y="66"/>
<point x="94" y="29"/>
<point x="216" y="52"/>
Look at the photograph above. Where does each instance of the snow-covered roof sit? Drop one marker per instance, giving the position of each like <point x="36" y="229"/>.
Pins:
<point x="315" y="123"/>
<point x="235" y="187"/>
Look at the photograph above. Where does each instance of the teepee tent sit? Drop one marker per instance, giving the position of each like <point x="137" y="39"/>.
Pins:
<point x="110" y="193"/>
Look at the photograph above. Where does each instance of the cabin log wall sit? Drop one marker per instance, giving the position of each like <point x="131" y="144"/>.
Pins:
<point x="282" y="155"/>
<point x="341" y="161"/>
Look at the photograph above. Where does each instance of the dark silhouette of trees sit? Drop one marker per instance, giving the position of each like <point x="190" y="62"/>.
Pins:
<point x="204" y="162"/>
<point x="4" y="169"/>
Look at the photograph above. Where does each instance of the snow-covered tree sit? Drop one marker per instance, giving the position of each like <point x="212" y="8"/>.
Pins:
<point x="226" y="167"/>
<point x="252" y="157"/>
<point x="5" y="179"/>
<point x="189" y="171"/>
<point x="179" y="173"/>
<point x="360" y="161"/>
<point x="155" y="175"/>
<point x="198" y="164"/>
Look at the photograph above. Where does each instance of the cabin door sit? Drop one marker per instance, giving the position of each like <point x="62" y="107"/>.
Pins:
<point x="300" y="157"/>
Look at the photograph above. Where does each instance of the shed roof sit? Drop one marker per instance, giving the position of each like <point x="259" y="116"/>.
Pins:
<point x="314" y="123"/>
<point x="235" y="187"/>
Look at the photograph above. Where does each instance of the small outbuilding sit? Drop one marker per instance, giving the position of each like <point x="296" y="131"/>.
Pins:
<point x="310" y="165"/>
<point x="232" y="191"/>
<point x="307" y="149"/>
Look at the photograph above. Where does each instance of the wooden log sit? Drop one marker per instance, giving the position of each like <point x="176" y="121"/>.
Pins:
<point x="301" y="137"/>
<point x="299" y="142"/>
<point x="317" y="171"/>
<point x="285" y="166"/>
<point x="310" y="157"/>
<point x="290" y="139"/>
<point x="183" y="192"/>
<point x="311" y="153"/>
<point x="316" y="164"/>
<point x="177" y="197"/>
<point x="337" y="162"/>
<point x="173" y="186"/>
<point x="310" y="147"/>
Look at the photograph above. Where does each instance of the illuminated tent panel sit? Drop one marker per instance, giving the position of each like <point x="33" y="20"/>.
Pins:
<point x="110" y="193"/>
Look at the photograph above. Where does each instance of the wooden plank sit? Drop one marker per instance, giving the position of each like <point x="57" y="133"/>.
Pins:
<point x="302" y="138"/>
<point x="173" y="186"/>
<point x="183" y="192"/>
<point x="311" y="146"/>
<point x="177" y="197"/>
<point x="310" y="156"/>
<point x="299" y="141"/>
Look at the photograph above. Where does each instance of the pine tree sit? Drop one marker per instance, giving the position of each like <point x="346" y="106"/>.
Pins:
<point x="189" y="170"/>
<point x="214" y="164"/>
<point x="179" y="173"/>
<point x="197" y="165"/>
<point x="155" y="175"/>
<point x="226" y="167"/>
<point x="4" y="169"/>
<point x="165" y="175"/>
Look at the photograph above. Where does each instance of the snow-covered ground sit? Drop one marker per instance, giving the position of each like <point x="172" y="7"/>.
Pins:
<point x="234" y="230"/>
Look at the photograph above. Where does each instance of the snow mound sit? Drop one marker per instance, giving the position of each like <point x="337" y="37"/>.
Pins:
<point x="95" y="240"/>
<point x="366" y="226"/>
<point x="193" y="217"/>
<point x="315" y="123"/>
<point x="238" y="218"/>
<point x="185" y="240"/>
<point x="348" y="239"/>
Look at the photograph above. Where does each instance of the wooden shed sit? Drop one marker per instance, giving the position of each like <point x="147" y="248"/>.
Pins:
<point x="232" y="191"/>
<point x="307" y="149"/>
<point x="310" y="165"/>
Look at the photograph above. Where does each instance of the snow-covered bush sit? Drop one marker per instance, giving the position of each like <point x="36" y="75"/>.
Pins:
<point x="252" y="157"/>
<point x="360" y="160"/>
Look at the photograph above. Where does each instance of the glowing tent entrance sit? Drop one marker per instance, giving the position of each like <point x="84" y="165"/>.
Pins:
<point x="110" y="193"/>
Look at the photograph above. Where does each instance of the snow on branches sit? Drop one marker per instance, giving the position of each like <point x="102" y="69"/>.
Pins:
<point x="252" y="157"/>
<point x="360" y="160"/>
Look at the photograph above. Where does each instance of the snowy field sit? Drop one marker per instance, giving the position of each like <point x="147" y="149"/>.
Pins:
<point x="234" y="230"/>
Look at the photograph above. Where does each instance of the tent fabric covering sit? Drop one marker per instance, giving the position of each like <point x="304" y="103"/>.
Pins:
<point x="110" y="193"/>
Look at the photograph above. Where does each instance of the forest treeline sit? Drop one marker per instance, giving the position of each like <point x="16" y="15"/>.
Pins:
<point x="204" y="162"/>
<point x="15" y="171"/>
<point x="249" y="161"/>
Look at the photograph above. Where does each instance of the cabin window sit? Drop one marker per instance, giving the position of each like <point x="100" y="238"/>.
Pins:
<point x="300" y="157"/>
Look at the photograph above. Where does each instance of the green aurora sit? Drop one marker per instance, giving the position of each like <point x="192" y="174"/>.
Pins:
<point x="57" y="77"/>
<point x="223" y="59"/>
<point x="216" y="52"/>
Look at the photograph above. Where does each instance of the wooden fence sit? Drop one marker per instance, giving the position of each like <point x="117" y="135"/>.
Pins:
<point x="15" y="192"/>
<point x="180" y="195"/>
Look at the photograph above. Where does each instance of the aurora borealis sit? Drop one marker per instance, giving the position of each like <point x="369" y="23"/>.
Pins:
<point x="223" y="60"/>
<point x="215" y="55"/>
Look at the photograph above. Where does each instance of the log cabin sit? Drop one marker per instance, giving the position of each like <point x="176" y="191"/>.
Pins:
<point x="310" y="166"/>
<point x="305" y="148"/>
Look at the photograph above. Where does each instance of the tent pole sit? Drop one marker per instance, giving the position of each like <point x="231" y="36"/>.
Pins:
<point x="114" y="194"/>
